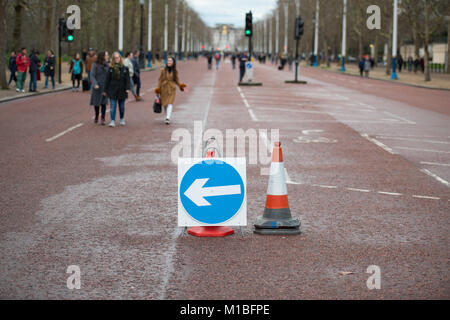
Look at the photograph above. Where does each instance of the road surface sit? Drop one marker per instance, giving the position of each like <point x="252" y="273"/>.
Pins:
<point x="368" y="166"/>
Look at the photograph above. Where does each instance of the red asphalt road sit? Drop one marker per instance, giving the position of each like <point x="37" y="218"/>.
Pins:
<point x="367" y="161"/>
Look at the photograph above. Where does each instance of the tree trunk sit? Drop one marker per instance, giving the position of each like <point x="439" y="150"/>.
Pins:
<point x="17" y="33"/>
<point x="3" y="30"/>
<point x="427" y="40"/>
<point x="448" y="42"/>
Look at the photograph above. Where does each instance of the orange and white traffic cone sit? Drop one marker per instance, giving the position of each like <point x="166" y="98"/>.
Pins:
<point x="277" y="217"/>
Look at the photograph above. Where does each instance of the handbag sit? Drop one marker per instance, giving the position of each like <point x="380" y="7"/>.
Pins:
<point x="157" y="108"/>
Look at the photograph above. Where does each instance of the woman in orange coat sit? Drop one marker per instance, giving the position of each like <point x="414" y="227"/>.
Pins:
<point x="167" y="86"/>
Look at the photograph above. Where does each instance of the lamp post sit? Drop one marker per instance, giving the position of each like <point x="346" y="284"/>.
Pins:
<point x="121" y="26"/>
<point x="394" y="42"/>
<point x="141" y="40"/>
<point x="149" y="57"/>
<point x="344" y="36"/>
<point x="316" y="36"/>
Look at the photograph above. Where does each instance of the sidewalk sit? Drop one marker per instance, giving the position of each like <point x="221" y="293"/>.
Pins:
<point x="438" y="80"/>
<point x="12" y="94"/>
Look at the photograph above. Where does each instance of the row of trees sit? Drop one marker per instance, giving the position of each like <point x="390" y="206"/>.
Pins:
<point x="34" y="24"/>
<point x="420" y="22"/>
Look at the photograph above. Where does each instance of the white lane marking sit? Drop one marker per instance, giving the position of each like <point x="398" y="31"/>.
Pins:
<point x="367" y="106"/>
<point x="436" y="164"/>
<point x="421" y="150"/>
<point x="389" y="193"/>
<point x="252" y="114"/>
<point x="426" y="197"/>
<point x="322" y="186"/>
<point x="410" y="139"/>
<point x="358" y="190"/>
<point x="250" y="111"/>
<point x="64" y="132"/>
<point x="288" y="179"/>
<point x="431" y="174"/>
<point x="317" y="112"/>
<point x="398" y="117"/>
<point x="378" y="143"/>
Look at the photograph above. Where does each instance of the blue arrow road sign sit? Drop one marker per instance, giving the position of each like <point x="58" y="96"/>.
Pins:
<point x="212" y="192"/>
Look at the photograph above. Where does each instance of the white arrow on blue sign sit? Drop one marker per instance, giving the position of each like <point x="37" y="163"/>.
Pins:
<point x="212" y="192"/>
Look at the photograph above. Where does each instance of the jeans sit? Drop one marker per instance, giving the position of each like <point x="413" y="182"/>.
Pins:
<point x="242" y="74"/>
<point x="33" y="81"/>
<point x="137" y="83"/>
<point x="12" y="77"/>
<point x="46" y="81"/>
<point x="21" y="77"/>
<point x="132" y="86"/>
<point x="114" y="103"/>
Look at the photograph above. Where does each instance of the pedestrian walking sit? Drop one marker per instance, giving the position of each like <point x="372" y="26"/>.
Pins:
<point x="233" y="60"/>
<point x="218" y="57"/>
<point x="49" y="68"/>
<point x="137" y="74"/>
<point x="12" y="68"/>
<point x="128" y="62"/>
<point x="361" y="66"/>
<point x="35" y="64"/>
<point x="400" y="63"/>
<point x="22" y="62"/>
<point x="99" y="73"/>
<point x="243" y="59"/>
<point x="167" y="87"/>
<point x="89" y="60"/>
<point x="76" y="69"/>
<point x="209" y="58"/>
<point x="117" y="87"/>
<point x="367" y="67"/>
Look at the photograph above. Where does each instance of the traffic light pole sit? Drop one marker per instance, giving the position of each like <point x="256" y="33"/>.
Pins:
<point x="59" y="50"/>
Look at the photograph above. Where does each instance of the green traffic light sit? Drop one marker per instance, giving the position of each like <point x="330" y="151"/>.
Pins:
<point x="248" y="32"/>
<point x="70" y="38"/>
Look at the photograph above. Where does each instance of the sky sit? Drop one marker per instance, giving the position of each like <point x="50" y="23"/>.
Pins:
<point x="231" y="11"/>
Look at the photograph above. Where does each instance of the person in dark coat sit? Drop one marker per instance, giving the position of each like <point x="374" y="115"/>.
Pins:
<point x="243" y="59"/>
<point x="35" y="64"/>
<point x="13" y="68"/>
<point x="99" y="72"/>
<point x="49" y="68"/>
<point x="137" y="74"/>
<point x="117" y="87"/>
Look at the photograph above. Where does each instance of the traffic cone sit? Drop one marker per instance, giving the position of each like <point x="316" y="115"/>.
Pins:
<point x="277" y="219"/>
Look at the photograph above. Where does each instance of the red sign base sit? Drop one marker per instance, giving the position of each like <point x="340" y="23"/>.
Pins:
<point x="210" y="231"/>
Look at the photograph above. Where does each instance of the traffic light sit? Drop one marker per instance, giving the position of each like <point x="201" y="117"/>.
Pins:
<point x="66" y="34"/>
<point x="249" y="24"/>
<point x="70" y="35"/>
<point x="299" y="28"/>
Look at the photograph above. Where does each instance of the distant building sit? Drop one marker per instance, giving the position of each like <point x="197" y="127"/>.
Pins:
<point x="225" y="37"/>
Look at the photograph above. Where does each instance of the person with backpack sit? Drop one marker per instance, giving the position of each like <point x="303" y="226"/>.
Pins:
<point x="49" y="68"/>
<point x="76" y="69"/>
<point x="167" y="87"/>
<point x="99" y="72"/>
<point x="12" y="68"/>
<point x="117" y="87"/>
<point x="218" y="57"/>
<point x="22" y="62"/>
